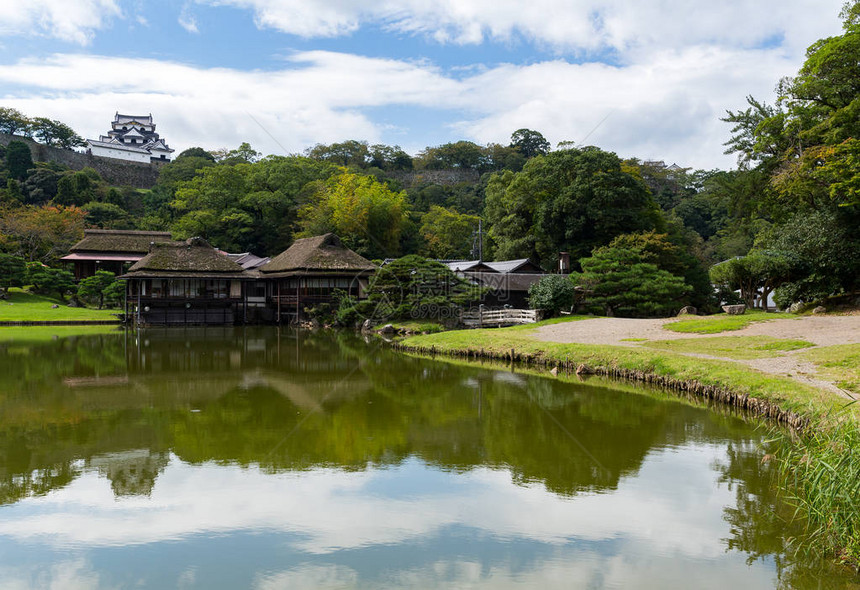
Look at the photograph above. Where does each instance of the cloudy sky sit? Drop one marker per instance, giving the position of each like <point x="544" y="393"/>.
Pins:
<point x="643" y="78"/>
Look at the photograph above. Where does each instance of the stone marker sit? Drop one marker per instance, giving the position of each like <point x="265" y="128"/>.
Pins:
<point x="735" y="309"/>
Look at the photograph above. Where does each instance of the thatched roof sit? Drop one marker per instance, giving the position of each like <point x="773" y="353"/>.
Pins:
<point x="323" y="253"/>
<point x="194" y="258"/>
<point x="117" y="240"/>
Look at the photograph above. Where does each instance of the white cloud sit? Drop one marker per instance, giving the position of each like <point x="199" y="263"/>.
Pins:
<point x="667" y="108"/>
<point x="187" y="20"/>
<point x="623" y="25"/>
<point x="70" y="20"/>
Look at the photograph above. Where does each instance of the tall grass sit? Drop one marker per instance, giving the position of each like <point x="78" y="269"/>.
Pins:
<point x="820" y="471"/>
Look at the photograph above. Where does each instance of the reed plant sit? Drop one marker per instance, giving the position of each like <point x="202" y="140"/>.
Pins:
<point x="820" y="474"/>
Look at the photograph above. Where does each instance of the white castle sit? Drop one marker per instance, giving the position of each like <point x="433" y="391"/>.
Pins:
<point x="132" y="138"/>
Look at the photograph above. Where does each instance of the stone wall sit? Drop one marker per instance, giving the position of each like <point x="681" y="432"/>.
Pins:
<point x="448" y="177"/>
<point x="116" y="172"/>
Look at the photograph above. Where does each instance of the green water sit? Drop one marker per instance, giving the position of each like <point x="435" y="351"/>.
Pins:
<point x="253" y="458"/>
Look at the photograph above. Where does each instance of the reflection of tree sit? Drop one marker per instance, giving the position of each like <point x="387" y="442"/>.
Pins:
<point x="761" y="526"/>
<point x="131" y="473"/>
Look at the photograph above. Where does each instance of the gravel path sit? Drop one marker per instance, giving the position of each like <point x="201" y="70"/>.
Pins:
<point x="821" y="330"/>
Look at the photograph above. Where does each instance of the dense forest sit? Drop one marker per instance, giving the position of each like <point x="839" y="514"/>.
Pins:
<point x="784" y="221"/>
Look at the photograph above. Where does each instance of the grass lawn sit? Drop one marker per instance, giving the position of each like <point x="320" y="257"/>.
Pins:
<point x="840" y="363"/>
<point x="26" y="307"/>
<point x="733" y="347"/>
<point x="714" y="324"/>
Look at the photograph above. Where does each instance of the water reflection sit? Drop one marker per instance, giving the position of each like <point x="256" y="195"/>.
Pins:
<point x="237" y="458"/>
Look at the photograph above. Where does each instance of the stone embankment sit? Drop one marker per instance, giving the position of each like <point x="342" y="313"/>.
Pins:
<point x="115" y="172"/>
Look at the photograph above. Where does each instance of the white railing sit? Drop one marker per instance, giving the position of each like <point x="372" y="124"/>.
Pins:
<point x="490" y="318"/>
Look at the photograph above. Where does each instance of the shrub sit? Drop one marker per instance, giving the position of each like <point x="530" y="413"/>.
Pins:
<point x="552" y="293"/>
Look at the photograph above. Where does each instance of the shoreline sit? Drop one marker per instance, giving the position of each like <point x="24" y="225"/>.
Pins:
<point x="709" y="392"/>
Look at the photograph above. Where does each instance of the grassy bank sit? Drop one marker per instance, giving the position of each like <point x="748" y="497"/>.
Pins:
<point x="27" y="307"/>
<point x="820" y="467"/>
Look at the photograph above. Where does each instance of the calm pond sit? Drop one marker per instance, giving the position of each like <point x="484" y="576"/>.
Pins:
<point x="258" y="458"/>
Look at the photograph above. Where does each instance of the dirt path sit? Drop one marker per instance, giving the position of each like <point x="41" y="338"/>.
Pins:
<point x="826" y="330"/>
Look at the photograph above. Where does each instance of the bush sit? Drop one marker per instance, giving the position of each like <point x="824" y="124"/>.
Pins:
<point x="552" y="293"/>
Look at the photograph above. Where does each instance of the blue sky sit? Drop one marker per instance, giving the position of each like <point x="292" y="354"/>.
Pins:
<point x="643" y="78"/>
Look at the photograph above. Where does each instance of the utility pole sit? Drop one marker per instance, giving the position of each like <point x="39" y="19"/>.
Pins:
<point x="478" y="241"/>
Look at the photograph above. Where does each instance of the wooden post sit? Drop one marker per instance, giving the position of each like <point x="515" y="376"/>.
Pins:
<point x="279" y="302"/>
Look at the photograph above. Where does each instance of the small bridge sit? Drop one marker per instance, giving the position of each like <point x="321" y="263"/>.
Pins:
<point x="495" y="318"/>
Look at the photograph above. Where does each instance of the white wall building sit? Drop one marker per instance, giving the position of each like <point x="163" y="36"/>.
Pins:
<point x="132" y="138"/>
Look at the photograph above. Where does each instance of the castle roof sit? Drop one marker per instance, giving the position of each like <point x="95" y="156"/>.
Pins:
<point x="142" y="119"/>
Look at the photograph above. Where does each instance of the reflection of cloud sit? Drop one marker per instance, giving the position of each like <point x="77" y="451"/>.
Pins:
<point x="75" y="574"/>
<point x="673" y="505"/>
<point x="308" y="577"/>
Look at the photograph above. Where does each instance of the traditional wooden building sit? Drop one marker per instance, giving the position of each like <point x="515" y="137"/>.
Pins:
<point x="310" y="271"/>
<point x="112" y="250"/>
<point x="186" y="283"/>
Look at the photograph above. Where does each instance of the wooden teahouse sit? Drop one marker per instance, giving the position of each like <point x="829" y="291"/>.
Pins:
<point x="186" y="283"/>
<point x="310" y="271"/>
<point x="112" y="250"/>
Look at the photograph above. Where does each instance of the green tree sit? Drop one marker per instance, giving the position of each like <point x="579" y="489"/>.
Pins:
<point x="755" y="275"/>
<point x="460" y="154"/>
<point x="244" y="154"/>
<point x="412" y="287"/>
<point x="195" y="152"/>
<point x="348" y="153"/>
<point x="245" y="207"/>
<point x="107" y="216"/>
<point x="53" y="132"/>
<point x="530" y="143"/>
<point x="569" y="200"/>
<point x="616" y="282"/>
<point x="552" y="293"/>
<point x="42" y="186"/>
<point x="12" y="271"/>
<point x="448" y="234"/>
<point x="389" y="158"/>
<point x="366" y="215"/>
<point x="13" y="122"/>
<point x="47" y="280"/>
<point x="825" y="247"/>
<point x="18" y="159"/>
<point x="95" y="287"/>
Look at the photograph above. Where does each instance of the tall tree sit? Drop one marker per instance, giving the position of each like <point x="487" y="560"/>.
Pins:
<point x="448" y="234"/>
<point x="569" y="200"/>
<point x="18" y="159"/>
<point x="367" y="216"/>
<point x="530" y="143"/>
<point x="12" y="121"/>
